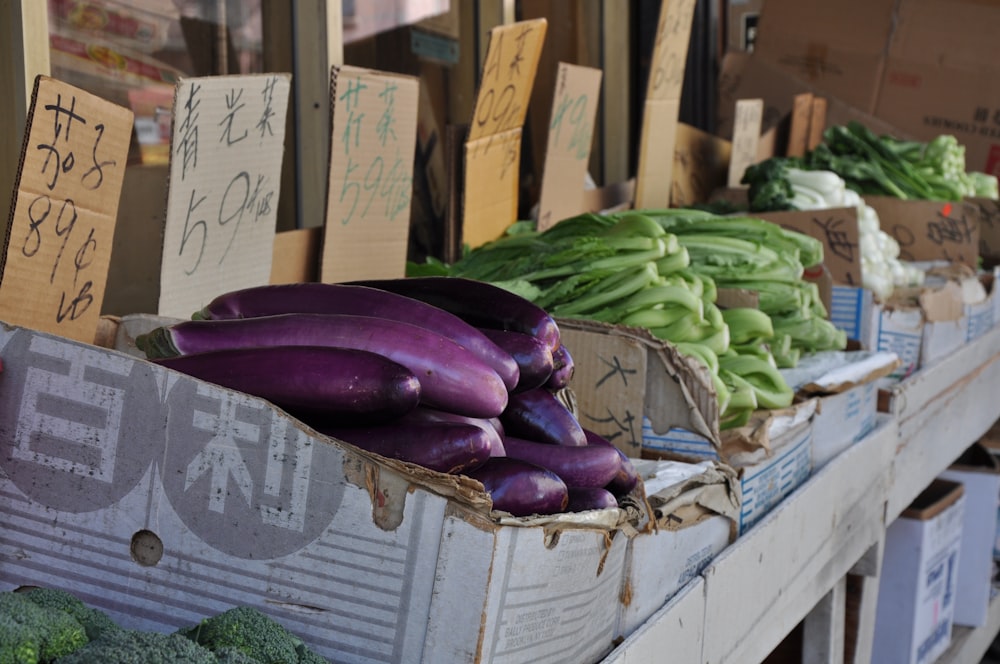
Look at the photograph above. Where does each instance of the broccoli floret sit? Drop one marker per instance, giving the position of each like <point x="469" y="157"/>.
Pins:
<point x="30" y="633"/>
<point x="126" y="646"/>
<point x="252" y="632"/>
<point x="94" y="621"/>
<point x="229" y="655"/>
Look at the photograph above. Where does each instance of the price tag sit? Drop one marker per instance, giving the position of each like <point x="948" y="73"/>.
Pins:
<point x="372" y="149"/>
<point x="700" y="164"/>
<point x="817" y="122"/>
<point x="798" y="131"/>
<point x="988" y="211"/>
<point x="746" y="138"/>
<point x="225" y="171"/>
<point x="662" y="105"/>
<point x="61" y="228"/>
<point x="493" y="149"/>
<point x="837" y="229"/>
<point x="930" y="230"/>
<point x="571" y="131"/>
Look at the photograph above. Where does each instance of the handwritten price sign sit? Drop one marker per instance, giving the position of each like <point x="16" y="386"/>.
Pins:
<point x="746" y="138"/>
<point x="371" y="174"/>
<point x="930" y="230"/>
<point x="663" y="103"/>
<point x="493" y="149"/>
<point x="225" y="168"/>
<point x="837" y="229"/>
<point x="571" y="132"/>
<point x="66" y="204"/>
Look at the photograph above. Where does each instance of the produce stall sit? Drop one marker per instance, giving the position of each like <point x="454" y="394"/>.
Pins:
<point x="273" y="391"/>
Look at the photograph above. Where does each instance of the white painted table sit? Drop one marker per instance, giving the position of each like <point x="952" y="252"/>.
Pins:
<point x="792" y="565"/>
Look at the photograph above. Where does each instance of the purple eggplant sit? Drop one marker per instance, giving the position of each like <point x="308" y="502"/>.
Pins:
<point x="583" y="498"/>
<point x="562" y="369"/>
<point x="340" y="383"/>
<point x="533" y="357"/>
<point x="451" y="377"/>
<point x="585" y="466"/>
<point x="423" y="414"/>
<point x="627" y="477"/>
<point x="320" y="298"/>
<point x="478" y="303"/>
<point x="538" y="415"/>
<point x="447" y="447"/>
<point x="521" y="488"/>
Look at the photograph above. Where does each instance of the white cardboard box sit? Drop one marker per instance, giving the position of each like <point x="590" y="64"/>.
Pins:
<point x="979" y="473"/>
<point x="162" y="499"/>
<point x="696" y="509"/>
<point x="916" y="598"/>
<point x="842" y="420"/>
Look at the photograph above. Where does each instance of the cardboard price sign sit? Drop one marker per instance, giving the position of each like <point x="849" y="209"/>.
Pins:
<point x="930" y="230"/>
<point x="571" y="132"/>
<point x="663" y="103"/>
<point x="225" y="171"/>
<point x="61" y="227"/>
<point x="371" y="174"/>
<point x="837" y="229"/>
<point x="746" y="138"/>
<point x="493" y="149"/>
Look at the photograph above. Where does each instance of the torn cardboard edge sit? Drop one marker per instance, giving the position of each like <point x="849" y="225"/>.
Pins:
<point x="834" y="372"/>
<point x="683" y="494"/>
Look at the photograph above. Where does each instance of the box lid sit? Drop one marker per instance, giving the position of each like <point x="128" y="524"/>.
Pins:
<point x="935" y="499"/>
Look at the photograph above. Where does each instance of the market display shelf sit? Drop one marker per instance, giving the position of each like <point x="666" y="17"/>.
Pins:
<point x="969" y="644"/>
<point x="941" y="410"/>
<point x="763" y="585"/>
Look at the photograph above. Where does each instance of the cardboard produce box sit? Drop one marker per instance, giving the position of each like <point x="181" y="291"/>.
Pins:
<point x="695" y="508"/>
<point x="640" y="393"/>
<point x="916" y="597"/>
<point x="845" y="385"/>
<point x="979" y="472"/>
<point x="162" y="499"/>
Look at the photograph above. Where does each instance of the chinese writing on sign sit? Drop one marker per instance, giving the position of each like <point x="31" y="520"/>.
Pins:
<point x="226" y="156"/>
<point x="65" y="210"/>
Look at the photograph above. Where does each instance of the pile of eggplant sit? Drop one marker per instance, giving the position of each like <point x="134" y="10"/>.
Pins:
<point x="456" y="375"/>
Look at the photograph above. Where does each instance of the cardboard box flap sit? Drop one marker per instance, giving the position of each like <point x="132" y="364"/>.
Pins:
<point x="942" y="304"/>
<point x="675" y="391"/>
<point x="676" y="485"/>
<point x="833" y="372"/>
<point x="743" y="445"/>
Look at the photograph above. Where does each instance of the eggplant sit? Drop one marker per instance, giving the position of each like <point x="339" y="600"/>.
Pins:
<point x="521" y="488"/>
<point x="320" y="298"/>
<point x="538" y="415"/>
<point x="451" y="377"/>
<point x="478" y="303"/>
<point x="447" y="447"/>
<point x="627" y="477"/>
<point x="583" y="498"/>
<point x="340" y="383"/>
<point x="562" y="369"/>
<point x="584" y="466"/>
<point x="533" y="357"/>
<point x="423" y="414"/>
